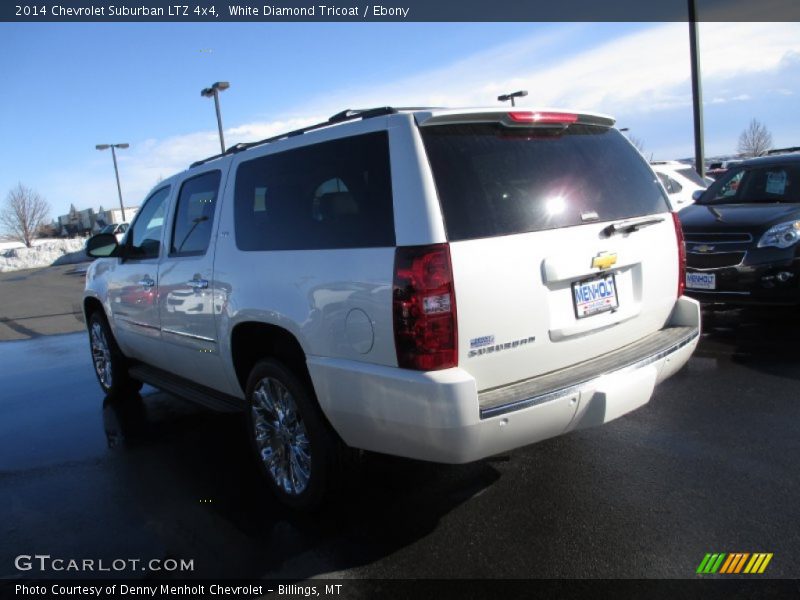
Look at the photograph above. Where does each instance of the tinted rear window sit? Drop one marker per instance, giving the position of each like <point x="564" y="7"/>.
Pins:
<point x="692" y="176"/>
<point x="494" y="180"/>
<point x="335" y="194"/>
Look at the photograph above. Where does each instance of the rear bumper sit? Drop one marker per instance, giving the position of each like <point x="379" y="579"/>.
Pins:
<point x="440" y="416"/>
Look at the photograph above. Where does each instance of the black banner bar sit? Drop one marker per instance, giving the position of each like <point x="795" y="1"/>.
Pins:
<point x="434" y="589"/>
<point x="267" y="11"/>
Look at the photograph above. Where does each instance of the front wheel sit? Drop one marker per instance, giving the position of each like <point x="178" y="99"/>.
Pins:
<point x="298" y="451"/>
<point x="110" y="364"/>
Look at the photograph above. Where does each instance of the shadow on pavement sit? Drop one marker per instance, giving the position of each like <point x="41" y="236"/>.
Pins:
<point x="761" y="338"/>
<point x="231" y="525"/>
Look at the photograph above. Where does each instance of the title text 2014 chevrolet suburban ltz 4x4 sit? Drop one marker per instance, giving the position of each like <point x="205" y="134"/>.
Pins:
<point x="438" y="284"/>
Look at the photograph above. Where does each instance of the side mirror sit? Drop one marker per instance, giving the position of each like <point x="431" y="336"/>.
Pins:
<point x="697" y="194"/>
<point x="102" y="245"/>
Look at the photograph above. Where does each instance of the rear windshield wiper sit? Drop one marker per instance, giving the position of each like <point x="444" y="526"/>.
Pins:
<point x="630" y="225"/>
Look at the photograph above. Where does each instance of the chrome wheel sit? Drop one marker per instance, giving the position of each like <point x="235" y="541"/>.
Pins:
<point x="101" y="355"/>
<point x="281" y="436"/>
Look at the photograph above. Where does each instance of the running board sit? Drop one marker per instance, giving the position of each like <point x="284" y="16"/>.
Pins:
<point x="193" y="392"/>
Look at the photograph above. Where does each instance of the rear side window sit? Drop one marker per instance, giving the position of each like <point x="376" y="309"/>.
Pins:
<point x="672" y="186"/>
<point x="494" y="180"/>
<point x="335" y="194"/>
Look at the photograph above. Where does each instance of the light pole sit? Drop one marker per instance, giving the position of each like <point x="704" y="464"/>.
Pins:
<point x="214" y="91"/>
<point x="697" y="91"/>
<point x="512" y="95"/>
<point x="116" y="170"/>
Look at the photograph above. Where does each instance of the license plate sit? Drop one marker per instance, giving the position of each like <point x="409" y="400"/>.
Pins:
<point x="701" y="281"/>
<point x="593" y="296"/>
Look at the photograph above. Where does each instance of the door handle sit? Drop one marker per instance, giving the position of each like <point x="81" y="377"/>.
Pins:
<point x="198" y="284"/>
<point x="146" y="282"/>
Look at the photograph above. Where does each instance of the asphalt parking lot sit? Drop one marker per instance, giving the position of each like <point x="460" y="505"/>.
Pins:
<point x="710" y="465"/>
<point x="36" y="302"/>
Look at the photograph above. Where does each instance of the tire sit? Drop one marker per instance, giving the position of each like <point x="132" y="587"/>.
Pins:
<point x="110" y="365"/>
<point x="297" y="450"/>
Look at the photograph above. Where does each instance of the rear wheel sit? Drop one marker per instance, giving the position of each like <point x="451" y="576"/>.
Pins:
<point x="110" y="365"/>
<point x="297" y="450"/>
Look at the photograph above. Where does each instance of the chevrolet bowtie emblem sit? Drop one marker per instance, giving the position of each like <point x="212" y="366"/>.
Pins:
<point x="604" y="260"/>
<point x="703" y="248"/>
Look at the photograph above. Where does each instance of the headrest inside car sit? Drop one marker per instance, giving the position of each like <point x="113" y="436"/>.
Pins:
<point x="337" y="204"/>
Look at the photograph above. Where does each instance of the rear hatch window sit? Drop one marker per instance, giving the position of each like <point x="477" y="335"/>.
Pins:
<point x="494" y="180"/>
<point x="692" y="176"/>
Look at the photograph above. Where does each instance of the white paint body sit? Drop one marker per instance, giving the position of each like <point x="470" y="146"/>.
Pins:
<point x="338" y="306"/>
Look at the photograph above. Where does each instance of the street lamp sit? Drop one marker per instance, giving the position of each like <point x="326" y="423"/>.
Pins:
<point x="697" y="91"/>
<point x="512" y="95"/>
<point x="116" y="170"/>
<point x="214" y="91"/>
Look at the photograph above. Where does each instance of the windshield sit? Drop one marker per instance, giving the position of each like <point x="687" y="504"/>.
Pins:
<point x="767" y="184"/>
<point x="108" y="229"/>
<point x="493" y="180"/>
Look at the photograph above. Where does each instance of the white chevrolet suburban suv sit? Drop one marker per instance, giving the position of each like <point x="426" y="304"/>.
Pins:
<point x="438" y="284"/>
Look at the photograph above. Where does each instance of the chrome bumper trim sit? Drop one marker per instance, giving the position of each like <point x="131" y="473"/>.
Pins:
<point x="494" y="411"/>
<point x="189" y="335"/>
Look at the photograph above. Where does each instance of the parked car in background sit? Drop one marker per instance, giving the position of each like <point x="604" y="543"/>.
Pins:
<point x="116" y="229"/>
<point x="438" y="284"/>
<point x="717" y="169"/>
<point x="742" y="235"/>
<point x="679" y="180"/>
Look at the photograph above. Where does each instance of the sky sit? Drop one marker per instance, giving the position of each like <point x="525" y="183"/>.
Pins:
<point x="71" y="86"/>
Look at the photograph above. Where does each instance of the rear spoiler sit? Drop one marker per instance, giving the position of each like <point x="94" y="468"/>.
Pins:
<point x="514" y="118"/>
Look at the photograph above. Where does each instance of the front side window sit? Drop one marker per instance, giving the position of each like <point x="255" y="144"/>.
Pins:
<point x="769" y="184"/>
<point x="145" y="241"/>
<point x="329" y="195"/>
<point x="194" y="215"/>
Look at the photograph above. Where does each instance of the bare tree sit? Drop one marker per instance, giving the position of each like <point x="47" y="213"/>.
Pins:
<point x="638" y="143"/>
<point x="755" y="140"/>
<point x="23" y="214"/>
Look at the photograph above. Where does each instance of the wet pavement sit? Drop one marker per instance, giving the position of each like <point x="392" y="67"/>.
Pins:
<point x="710" y="465"/>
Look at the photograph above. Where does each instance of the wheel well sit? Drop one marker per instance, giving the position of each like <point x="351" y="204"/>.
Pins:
<point x="91" y="305"/>
<point x="251" y="342"/>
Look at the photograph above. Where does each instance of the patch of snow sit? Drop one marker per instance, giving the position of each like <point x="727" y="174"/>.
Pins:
<point x="15" y="256"/>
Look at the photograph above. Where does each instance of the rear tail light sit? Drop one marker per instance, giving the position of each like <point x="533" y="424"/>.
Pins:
<point x="424" y="307"/>
<point x="681" y="254"/>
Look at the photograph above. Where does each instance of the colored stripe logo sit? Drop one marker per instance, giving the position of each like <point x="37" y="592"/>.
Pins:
<point x="734" y="563"/>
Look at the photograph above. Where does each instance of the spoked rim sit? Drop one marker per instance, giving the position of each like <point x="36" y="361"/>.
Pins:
<point x="281" y="436"/>
<point x="101" y="355"/>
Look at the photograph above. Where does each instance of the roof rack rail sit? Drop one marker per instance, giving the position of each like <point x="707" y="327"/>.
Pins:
<point x="340" y="117"/>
